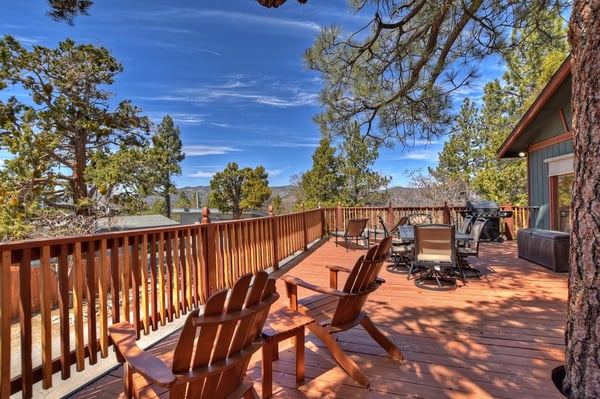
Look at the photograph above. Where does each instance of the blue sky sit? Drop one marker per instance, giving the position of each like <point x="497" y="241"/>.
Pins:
<point x="229" y="72"/>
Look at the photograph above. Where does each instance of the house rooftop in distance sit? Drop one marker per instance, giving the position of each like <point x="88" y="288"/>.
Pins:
<point x="194" y="215"/>
<point x="117" y="223"/>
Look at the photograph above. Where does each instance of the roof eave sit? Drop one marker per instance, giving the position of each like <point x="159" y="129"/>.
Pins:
<point x="557" y="80"/>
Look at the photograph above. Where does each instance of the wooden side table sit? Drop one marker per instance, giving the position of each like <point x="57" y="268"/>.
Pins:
<point x="282" y="324"/>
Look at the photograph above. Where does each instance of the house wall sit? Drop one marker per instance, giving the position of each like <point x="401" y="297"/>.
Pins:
<point x="539" y="191"/>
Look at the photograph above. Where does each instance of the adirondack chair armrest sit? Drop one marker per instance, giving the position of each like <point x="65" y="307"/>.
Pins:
<point x="337" y="268"/>
<point x="124" y="337"/>
<point x="333" y="274"/>
<point x="292" y="283"/>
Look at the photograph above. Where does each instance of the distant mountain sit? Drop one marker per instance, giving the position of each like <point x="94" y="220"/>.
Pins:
<point x="400" y="196"/>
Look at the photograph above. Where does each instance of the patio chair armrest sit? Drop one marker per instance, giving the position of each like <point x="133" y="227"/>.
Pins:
<point x="123" y="336"/>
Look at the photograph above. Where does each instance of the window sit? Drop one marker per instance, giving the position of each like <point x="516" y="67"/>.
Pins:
<point x="560" y="173"/>
<point x="563" y="203"/>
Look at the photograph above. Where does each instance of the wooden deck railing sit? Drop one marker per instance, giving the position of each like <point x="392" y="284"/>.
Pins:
<point x="148" y="277"/>
<point x="59" y="295"/>
<point x="337" y="218"/>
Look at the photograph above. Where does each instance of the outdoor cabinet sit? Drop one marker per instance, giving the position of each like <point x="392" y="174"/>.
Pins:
<point x="548" y="248"/>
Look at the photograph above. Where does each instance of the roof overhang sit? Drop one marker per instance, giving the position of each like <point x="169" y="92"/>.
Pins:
<point x="547" y="109"/>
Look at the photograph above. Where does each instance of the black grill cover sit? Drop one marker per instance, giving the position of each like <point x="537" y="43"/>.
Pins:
<point x="477" y="206"/>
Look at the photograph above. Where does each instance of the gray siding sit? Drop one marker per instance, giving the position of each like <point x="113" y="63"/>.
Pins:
<point x="539" y="191"/>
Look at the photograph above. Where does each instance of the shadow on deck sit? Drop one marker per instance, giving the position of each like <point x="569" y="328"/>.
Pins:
<point x="498" y="336"/>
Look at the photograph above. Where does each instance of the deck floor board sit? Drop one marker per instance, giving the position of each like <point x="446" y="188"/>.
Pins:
<point x="498" y="336"/>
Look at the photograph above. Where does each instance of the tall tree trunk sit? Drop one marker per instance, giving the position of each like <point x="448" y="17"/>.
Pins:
<point x="78" y="183"/>
<point x="167" y="195"/>
<point x="582" y="361"/>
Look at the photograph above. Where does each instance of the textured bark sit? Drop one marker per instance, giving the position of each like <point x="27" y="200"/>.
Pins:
<point x="582" y="361"/>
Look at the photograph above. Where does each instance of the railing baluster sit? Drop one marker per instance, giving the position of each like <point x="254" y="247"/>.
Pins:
<point x="162" y="304"/>
<point x="64" y="305"/>
<point x="153" y="282"/>
<point x="169" y="270"/>
<point x="5" y="342"/>
<point x="126" y="280"/>
<point x="103" y="275"/>
<point x="176" y="275"/>
<point x="136" y="284"/>
<point x="145" y="303"/>
<point x="46" y="315"/>
<point x="25" y="314"/>
<point x="188" y="271"/>
<point x="77" y="274"/>
<point x="90" y="283"/>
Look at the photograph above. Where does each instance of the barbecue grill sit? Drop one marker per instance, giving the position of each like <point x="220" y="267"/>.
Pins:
<point x="491" y="211"/>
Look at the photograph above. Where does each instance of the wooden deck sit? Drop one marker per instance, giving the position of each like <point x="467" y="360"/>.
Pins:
<point x="496" y="337"/>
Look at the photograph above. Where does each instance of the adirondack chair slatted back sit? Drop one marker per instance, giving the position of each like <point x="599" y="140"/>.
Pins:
<point x="361" y="281"/>
<point x="231" y="322"/>
<point x="356" y="280"/>
<point x="383" y="251"/>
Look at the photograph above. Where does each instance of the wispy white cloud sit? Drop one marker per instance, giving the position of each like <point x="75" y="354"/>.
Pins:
<point x="203" y="150"/>
<point x="288" y="143"/>
<point x="245" y="18"/>
<point x="226" y="17"/>
<point x="202" y="174"/>
<point x="267" y="92"/>
<point x="221" y="125"/>
<point x="31" y="39"/>
<point x="274" y="94"/>
<point x="179" y="118"/>
<point x="188" y="119"/>
<point x="420" y="155"/>
<point x="274" y="172"/>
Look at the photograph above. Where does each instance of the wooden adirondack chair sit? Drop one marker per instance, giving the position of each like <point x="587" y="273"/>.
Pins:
<point x="339" y="310"/>
<point x="212" y="352"/>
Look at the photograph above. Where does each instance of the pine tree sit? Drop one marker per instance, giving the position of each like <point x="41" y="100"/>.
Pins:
<point x="321" y="185"/>
<point x="461" y="156"/>
<point x="165" y="158"/>
<point x="362" y="185"/>
<point x="63" y="140"/>
<point x="236" y="190"/>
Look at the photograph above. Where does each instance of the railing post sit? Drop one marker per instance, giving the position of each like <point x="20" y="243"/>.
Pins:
<point x="5" y="340"/>
<point x="509" y="227"/>
<point x="339" y="221"/>
<point x="304" y="224"/>
<point x="389" y="217"/>
<point x="208" y="244"/>
<point x="446" y="213"/>
<point x="323" y="221"/>
<point x="274" y="235"/>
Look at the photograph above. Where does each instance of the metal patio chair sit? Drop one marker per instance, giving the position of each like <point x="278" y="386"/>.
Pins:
<point x="354" y="232"/>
